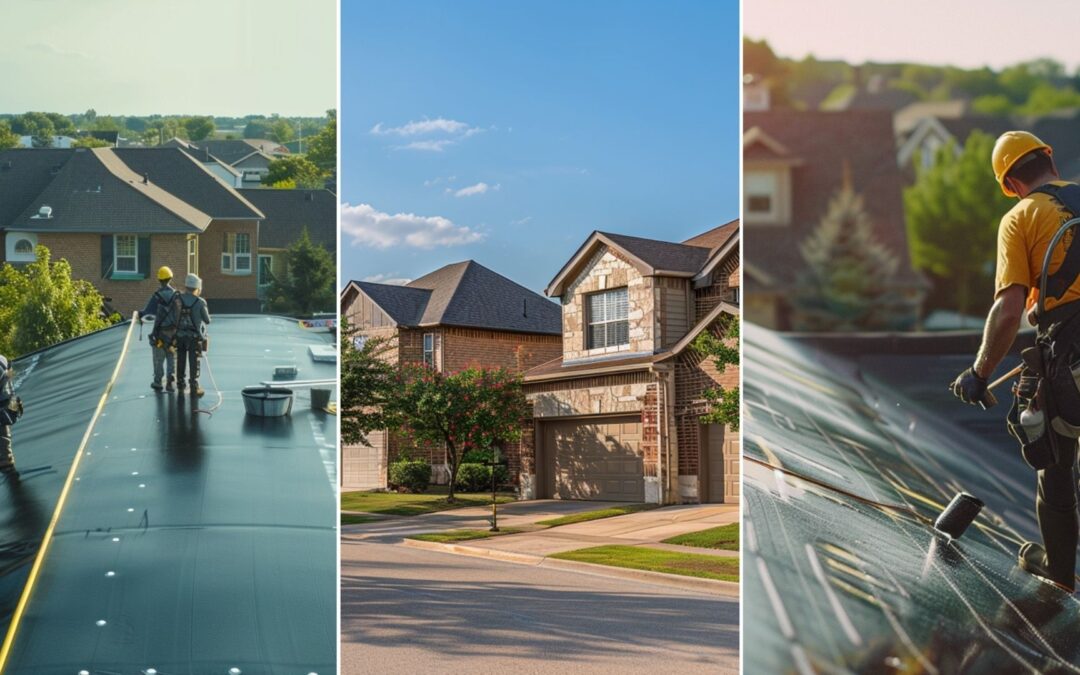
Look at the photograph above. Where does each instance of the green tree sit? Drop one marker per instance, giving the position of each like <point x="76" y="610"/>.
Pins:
<point x="257" y="128"/>
<point x="367" y="382"/>
<point x="1046" y="98"/>
<point x="474" y="409"/>
<point x="281" y="130"/>
<point x="993" y="104"/>
<point x="8" y="139"/>
<point x="723" y="348"/>
<point x="293" y="171"/>
<point x="90" y="142"/>
<point x="952" y="214"/>
<point x="199" y="128"/>
<point x="306" y="285"/>
<point x="40" y="305"/>
<point x="322" y="148"/>
<point x="847" y="282"/>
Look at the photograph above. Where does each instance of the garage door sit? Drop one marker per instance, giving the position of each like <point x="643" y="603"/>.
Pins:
<point x="598" y="458"/>
<point x="363" y="467"/>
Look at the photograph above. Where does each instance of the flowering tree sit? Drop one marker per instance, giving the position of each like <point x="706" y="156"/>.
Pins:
<point x="472" y="409"/>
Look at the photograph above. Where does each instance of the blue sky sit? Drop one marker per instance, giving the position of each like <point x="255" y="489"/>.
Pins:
<point x="506" y="132"/>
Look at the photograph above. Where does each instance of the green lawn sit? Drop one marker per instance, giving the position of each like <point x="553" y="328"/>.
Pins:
<point x="451" y="536"/>
<point x="357" y="519"/>
<point x="585" y="516"/>
<point x="400" y="504"/>
<point x="724" y="537"/>
<point x="655" y="560"/>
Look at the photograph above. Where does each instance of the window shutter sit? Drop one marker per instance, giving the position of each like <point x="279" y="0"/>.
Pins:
<point x="106" y="255"/>
<point x="144" y="257"/>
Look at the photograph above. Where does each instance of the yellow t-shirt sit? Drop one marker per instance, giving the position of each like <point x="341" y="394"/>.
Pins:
<point x="1023" y="236"/>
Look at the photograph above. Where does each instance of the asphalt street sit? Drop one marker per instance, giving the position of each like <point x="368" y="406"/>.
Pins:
<point x="407" y="610"/>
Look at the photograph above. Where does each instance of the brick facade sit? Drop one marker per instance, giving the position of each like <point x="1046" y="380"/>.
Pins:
<point x="83" y="253"/>
<point x="220" y="284"/>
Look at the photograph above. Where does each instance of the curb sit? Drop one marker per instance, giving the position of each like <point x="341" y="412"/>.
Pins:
<point x="710" y="586"/>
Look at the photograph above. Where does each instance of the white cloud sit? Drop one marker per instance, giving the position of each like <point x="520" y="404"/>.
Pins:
<point x="440" y="179"/>
<point x="370" y="227"/>
<point x="523" y="221"/>
<point x="387" y="279"/>
<point x="424" y="127"/>
<point x="478" y="189"/>
<point x="427" y="146"/>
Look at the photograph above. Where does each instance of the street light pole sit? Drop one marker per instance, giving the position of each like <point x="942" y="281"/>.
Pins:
<point x="495" y="461"/>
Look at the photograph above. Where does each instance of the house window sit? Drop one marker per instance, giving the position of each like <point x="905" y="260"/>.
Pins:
<point x="429" y="349"/>
<point x="236" y="253"/>
<point x="606" y="313"/>
<point x="761" y="189"/>
<point x="24" y="247"/>
<point x="192" y="254"/>
<point x="266" y="266"/>
<point x="126" y="254"/>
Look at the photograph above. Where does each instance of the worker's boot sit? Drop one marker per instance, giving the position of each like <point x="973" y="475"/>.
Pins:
<point x="180" y="385"/>
<point x="1033" y="561"/>
<point x="170" y="384"/>
<point x="156" y="385"/>
<point x="196" y="390"/>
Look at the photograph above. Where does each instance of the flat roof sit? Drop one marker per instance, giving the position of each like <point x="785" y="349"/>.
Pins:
<point x="219" y="530"/>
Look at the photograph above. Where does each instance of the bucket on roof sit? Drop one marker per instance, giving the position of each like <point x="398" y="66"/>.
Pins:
<point x="267" y="401"/>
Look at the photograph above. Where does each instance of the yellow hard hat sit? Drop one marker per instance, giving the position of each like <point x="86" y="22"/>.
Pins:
<point x="164" y="273"/>
<point x="1011" y="146"/>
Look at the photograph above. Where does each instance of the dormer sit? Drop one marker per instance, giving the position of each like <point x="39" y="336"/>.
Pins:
<point x="767" y="179"/>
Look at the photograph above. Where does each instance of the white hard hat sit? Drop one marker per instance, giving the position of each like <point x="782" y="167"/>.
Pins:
<point x="193" y="281"/>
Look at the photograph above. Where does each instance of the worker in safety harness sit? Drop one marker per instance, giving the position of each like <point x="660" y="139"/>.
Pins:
<point x="192" y="318"/>
<point x="11" y="409"/>
<point x="1045" y="415"/>
<point x="163" y="336"/>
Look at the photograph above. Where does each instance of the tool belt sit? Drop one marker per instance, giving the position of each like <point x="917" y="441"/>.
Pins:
<point x="1047" y="396"/>
<point x="11" y="410"/>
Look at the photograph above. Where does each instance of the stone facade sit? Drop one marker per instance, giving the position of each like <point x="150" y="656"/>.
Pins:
<point x="608" y="270"/>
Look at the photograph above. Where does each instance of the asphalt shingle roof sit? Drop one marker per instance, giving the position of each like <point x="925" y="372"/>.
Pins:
<point x="663" y="255"/>
<point x="24" y="173"/>
<point x="467" y="294"/>
<point x="287" y="212"/>
<point x="178" y="173"/>
<point x="95" y="192"/>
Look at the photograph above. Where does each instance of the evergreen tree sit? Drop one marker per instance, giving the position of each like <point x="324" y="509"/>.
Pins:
<point x="307" y="284"/>
<point x="846" y="284"/>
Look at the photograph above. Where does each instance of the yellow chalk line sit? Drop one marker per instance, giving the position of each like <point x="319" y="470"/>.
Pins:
<point x="16" y="617"/>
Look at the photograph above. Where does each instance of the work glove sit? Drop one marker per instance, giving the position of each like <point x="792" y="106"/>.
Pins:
<point x="19" y="406"/>
<point x="970" y="388"/>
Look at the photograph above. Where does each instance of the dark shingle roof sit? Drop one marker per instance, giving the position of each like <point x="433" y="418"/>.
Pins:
<point x="287" y="212"/>
<point x="24" y="173"/>
<point x="860" y="144"/>
<point x="176" y="172"/>
<point x="663" y="255"/>
<point x="467" y="294"/>
<point x="95" y="192"/>
<point x="233" y="150"/>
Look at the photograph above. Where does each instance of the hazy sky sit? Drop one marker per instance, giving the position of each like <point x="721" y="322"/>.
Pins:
<point x="506" y="132"/>
<point x="966" y="33"/>
<point x="222" y="57"/>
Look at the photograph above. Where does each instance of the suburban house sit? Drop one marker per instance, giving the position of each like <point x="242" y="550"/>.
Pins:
<point x="617" y="415"/>
<point x="287" y="213"/>
<point x="794" y="163"/>
<point x="220" y="169"/>
<point x="62" y="142"/>
<point x="459" y="316"/>
<point x="117" y="214"/>
<point x="250" y="157"/>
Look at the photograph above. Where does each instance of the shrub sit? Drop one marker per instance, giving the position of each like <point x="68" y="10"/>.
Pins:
<point x="411" y="475"/>
<point x="474" y="474"/>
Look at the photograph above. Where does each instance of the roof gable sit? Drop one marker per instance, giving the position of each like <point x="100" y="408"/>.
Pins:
<point x="287" y="212"/>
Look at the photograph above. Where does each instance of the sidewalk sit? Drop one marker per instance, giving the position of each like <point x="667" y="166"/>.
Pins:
<point x="645" y="528"/>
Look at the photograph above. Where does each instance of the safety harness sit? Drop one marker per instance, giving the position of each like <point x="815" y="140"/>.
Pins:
<point x="1047" y="395"/>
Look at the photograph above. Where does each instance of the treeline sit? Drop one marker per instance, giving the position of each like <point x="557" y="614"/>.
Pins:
<point x="1030" y="88"/>
<point x="154" y="129"/>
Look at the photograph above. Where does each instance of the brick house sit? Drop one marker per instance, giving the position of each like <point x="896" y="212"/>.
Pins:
<point x="459" y="316"/>
<point x="287" y="213"/>
<point x="617" y="415"/>
<point x="118" y="214"/>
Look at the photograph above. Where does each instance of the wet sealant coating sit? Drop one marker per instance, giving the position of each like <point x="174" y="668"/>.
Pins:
<point x="193" y="543"/>
<point x="842" y="569"/>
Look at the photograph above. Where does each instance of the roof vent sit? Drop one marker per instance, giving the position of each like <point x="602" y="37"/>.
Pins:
<point x="525" y="307"/>
<point x="145" y="178"/>
<point x="44" y="212"/>
<point x="309" y="197"/>
<point x="55" y="169"/>
<point x="8" y="165"/>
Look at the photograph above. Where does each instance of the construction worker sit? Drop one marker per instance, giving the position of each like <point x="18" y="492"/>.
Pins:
<point x="1045" y="416"/>
<point x="11" y="409"/>
<point x="192" y="319"/>
<point x="161" y="338"/>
